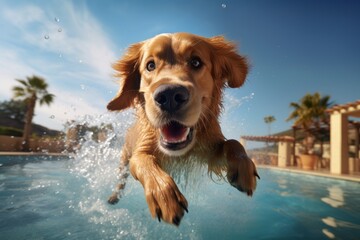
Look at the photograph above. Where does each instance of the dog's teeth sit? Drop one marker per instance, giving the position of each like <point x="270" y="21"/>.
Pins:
<point x="187" y="132"/>
<point x="185" y="135"/>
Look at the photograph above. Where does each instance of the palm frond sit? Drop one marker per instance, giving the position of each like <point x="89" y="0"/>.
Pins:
<point x="19" y="93"/>
<point x="23" y="82"/>
<point x="47" y="99"/>
<point x="33" y="86"/>
<point x="294" y="105"/>
<point x="37" y="83"/>
<point x="310" y="110"/>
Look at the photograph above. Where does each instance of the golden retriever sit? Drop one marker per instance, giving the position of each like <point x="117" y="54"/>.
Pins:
<point x="175" y="83"/>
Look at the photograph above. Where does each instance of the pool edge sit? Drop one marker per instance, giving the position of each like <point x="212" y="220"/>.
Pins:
<point x="32" y="154"/>
<point x="314" y="173"/>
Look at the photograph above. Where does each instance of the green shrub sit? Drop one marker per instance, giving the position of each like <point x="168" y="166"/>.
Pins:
<point x="10" y="131"/>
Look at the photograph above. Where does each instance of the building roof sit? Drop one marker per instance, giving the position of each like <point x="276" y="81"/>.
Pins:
<point x="352" y="108"/>
<point x="269" y="138"/>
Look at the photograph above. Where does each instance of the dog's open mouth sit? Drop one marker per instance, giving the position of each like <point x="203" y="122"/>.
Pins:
<point x="175" y="136"/>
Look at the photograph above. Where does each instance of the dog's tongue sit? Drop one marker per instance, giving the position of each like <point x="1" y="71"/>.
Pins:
<point x="174" y="132"/>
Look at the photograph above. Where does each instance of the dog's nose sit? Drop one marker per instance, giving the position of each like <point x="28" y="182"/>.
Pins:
<point x="171" y="98"/>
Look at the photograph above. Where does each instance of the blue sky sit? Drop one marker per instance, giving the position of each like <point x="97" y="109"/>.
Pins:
<point x="295" y="47"/>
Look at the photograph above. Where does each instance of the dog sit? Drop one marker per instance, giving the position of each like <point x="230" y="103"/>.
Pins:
<point x="175" y="83"/>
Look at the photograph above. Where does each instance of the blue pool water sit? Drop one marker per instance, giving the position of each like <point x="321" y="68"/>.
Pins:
<point x="62" y="198"/>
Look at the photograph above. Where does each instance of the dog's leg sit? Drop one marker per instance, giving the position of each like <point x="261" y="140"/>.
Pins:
<point x="241" y="172"/>
<point x="123" y="175"/>
<point x="114" y="197"/>
<point x="163" y="197"/>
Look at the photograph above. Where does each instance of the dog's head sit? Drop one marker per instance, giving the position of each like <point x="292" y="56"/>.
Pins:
<point x="178" y="80"/>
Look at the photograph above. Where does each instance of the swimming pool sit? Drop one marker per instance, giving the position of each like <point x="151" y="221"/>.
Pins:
<point x="62" y="198"/>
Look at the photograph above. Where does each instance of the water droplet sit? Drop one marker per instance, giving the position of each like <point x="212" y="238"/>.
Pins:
<point x="52" y="116"/>
<point x="80" y="61"/>
<point x="60" y="55"/>
<point x="223" y="5"/>
<point x="60" y="30"/>
<point x="46" y="37"/>
<point x="57" y="19"/>
<point x="82" y="86"/>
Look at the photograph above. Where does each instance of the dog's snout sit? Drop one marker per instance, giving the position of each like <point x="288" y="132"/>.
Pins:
<point x="171" y="98"/>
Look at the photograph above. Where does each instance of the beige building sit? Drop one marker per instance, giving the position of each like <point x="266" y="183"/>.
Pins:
<point x="339" y="137"/>
<point x="341" y="155"/>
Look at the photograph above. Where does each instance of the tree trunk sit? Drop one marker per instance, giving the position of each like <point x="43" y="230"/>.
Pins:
<point x="28" y="123"/>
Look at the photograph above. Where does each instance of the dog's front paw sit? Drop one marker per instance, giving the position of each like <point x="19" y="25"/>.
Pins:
<point x="164" y="199"/>
<point x="242" y="174"/>
<point x="114" y="198"/>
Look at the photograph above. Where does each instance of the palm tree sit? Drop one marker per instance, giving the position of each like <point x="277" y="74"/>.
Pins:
<point x="309" y="114"/>
<point x="268" y="120"/>
<point x="30" y="91"/>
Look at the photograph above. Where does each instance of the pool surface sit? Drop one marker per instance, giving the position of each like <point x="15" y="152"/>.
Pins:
<point x="62" y="198"/>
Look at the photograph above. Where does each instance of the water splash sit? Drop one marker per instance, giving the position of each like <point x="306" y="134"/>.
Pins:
<point x="97" y="153"/>
<point x="223" y="5"/>
<point x="95" y="160"/>
<point x="233" y="103"/>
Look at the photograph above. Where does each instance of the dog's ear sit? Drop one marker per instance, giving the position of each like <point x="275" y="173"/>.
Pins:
<point x="227" y="63"/>
<point x="128" y="71"/>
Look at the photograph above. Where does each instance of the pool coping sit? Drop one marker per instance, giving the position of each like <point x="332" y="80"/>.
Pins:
<point x="346" y="177"/>
<point x="32" y="154"/>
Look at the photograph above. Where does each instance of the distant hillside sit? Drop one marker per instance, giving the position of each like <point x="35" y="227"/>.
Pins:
<point x="37" y="129"/>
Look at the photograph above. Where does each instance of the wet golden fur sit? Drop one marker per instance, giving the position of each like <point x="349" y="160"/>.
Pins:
<point x="221" y="66"/>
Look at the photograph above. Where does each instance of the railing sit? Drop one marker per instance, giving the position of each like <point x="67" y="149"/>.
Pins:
<point x="264" y="158"/>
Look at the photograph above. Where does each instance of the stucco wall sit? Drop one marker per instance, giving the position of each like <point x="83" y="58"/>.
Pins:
<point x="13" y="144"/>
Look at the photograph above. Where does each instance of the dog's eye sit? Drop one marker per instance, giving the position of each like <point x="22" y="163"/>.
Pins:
<point x="196" y="63"/>
<point x="150" y="66"/>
